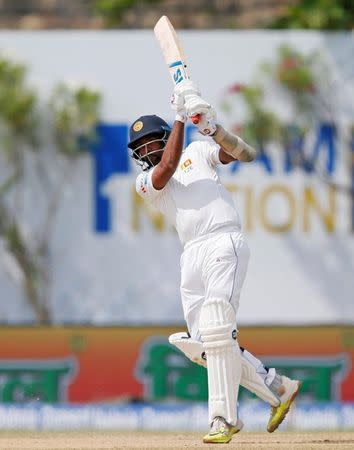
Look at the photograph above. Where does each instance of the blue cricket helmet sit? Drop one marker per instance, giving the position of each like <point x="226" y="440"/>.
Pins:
<point x="146" y="125"/>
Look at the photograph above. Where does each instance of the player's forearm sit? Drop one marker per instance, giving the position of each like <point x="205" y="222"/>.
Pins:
<point x="233" y="145"/>
<point x="170" y="158"/>
<point x="174" y="146"/>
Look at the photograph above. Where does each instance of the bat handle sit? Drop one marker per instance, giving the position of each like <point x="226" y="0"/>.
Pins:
<point x="195" y="119"/>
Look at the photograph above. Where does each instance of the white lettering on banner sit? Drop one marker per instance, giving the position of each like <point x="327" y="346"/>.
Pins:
<point x="319" y="416"/>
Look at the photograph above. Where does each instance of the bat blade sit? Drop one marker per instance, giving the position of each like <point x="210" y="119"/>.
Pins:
<point x="171" y="49"/>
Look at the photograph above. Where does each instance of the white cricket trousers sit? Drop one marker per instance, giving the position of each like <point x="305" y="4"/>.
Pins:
<point x="212" y="266"/>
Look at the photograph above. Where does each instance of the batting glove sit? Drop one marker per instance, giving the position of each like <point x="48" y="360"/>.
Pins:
<point x="202" y="113"/>
<point x="181" y="92"/>
<point x="196" y="105"/>
<point x="186" y="88"/>
<point x="207" y="123"/>
<point x="177" y="104"/>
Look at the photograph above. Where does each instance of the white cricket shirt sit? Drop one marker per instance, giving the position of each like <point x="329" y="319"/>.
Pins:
<point x="194" y="200"/>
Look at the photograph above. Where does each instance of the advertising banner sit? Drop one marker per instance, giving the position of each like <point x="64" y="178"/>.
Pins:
<point x="115" y="260"/>
<point x="78" y="365"/>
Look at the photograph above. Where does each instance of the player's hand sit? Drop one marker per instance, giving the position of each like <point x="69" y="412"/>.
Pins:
<point x="206" y="115"/>
<point x="181" y="92"/>
<point x="186" y="88"/>
<point x="207" y="123"/>
<point x="177" y="104"/>
<point x="196" y="105"/>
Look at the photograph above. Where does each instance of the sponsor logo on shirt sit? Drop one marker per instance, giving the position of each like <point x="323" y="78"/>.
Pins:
<point x="186" y="166"/>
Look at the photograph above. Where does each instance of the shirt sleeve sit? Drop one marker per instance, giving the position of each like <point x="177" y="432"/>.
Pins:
<point x="211" y="151"/>
<point x="144" y="186"/>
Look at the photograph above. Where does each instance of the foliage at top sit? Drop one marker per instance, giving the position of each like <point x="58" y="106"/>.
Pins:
<point x="305" y="14"/>
<point x="113" y="10"/>
<point x="318" y="15"/>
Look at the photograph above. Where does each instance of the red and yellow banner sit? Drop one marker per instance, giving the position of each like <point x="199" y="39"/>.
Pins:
<point x="85" y="365"/>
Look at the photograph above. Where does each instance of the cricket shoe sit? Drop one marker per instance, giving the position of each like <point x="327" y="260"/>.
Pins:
<point x="221" y="432"/>
<point x="288" y="391"/>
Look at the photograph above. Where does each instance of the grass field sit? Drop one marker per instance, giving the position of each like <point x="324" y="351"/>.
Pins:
<point x="149" y="440"/>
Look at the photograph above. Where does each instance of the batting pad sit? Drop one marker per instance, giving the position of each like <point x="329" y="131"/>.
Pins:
<point x="253" y="372"/>
<point x="191" y="348"/>
<point x="254" y="377"/>
<point x="216" y="325"/>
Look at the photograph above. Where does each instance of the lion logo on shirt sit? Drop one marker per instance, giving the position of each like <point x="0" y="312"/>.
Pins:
<point x="186" y="166"/>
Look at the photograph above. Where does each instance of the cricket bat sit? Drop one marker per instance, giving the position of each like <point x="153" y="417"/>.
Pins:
<point x="172" y="52"/>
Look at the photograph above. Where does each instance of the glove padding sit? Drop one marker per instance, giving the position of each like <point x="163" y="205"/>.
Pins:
<point x="207" y="123"/>
<point x="177" y="104"/>
<point x="195" y="105"/>
<point x="185" y="88"/>
<point x="181" y="92"/>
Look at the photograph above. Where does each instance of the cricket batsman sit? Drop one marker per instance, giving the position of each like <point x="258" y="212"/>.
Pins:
<point x="184" y="185"/>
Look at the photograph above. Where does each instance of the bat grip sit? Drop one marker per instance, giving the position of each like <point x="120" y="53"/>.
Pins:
<point x="195" y="119"/>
